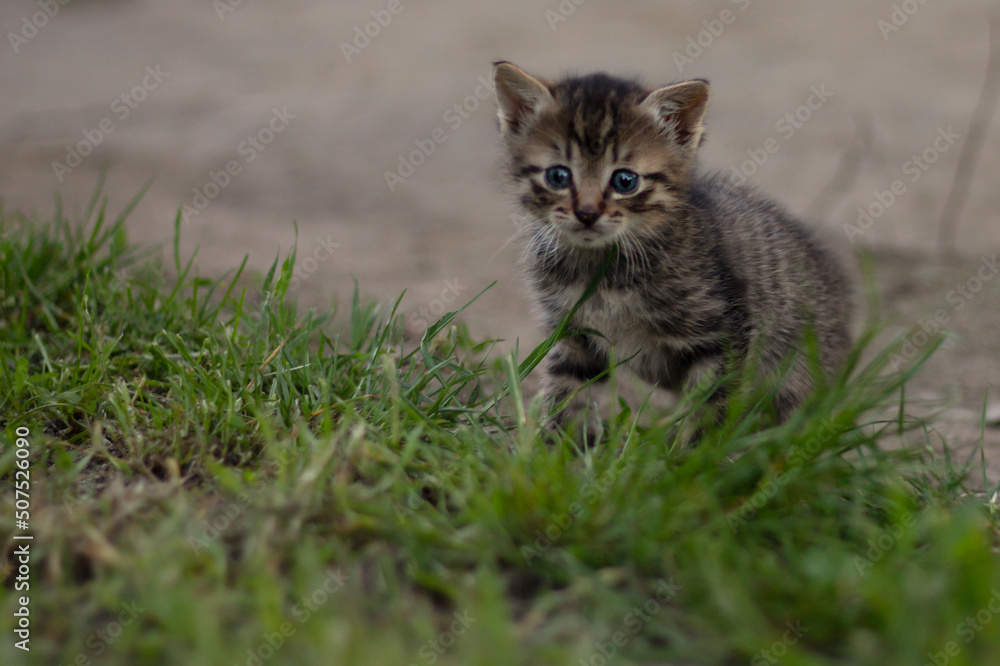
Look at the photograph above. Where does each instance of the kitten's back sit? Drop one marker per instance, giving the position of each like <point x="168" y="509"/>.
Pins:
<point x="791" y="279"/>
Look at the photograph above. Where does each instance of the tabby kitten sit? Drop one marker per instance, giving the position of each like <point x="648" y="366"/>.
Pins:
<point x="704" y="271"/>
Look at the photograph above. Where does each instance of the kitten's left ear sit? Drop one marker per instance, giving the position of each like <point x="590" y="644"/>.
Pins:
<point x="680" y="109"/>
<point x="520" y="95"/>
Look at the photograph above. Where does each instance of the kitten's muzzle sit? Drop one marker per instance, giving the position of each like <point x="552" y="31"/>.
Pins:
<point x="587" y="215"/>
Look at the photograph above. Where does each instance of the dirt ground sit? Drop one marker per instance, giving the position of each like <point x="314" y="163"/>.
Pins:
<point x="253" y="115"/>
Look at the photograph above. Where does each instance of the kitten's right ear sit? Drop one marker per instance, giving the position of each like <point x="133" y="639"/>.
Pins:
<point x="679" y="109"/>
<point x="521" y="96"/>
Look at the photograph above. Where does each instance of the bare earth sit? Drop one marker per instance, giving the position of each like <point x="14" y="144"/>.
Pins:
<point x="828" y="106"/>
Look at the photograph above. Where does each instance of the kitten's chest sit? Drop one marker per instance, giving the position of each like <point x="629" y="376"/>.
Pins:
<point x="619" y="315"/>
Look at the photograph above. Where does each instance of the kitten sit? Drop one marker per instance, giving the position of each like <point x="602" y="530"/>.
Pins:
<point x="705" y="271"/>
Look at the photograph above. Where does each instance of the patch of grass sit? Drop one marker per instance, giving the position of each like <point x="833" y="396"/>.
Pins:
<point x="217" y="478"/>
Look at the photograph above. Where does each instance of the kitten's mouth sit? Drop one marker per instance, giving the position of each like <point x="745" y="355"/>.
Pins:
<point x="590" y="237"/>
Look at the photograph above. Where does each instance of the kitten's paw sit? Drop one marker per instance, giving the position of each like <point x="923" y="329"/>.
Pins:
<point x="585" y="426"/>
<point x="590" y="432"/>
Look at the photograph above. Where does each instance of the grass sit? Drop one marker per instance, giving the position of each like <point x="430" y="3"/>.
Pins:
<point x="217" y="478"/>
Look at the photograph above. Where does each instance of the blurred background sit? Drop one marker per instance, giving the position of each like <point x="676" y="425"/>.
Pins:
<point x="372" y="125"/>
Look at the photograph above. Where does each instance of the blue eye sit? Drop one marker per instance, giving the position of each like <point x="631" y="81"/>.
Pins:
<point x="558" y="177"/>
<point x="624" y="181"/>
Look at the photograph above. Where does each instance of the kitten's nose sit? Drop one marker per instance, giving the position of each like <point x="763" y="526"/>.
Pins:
<point x="587" y="215"/>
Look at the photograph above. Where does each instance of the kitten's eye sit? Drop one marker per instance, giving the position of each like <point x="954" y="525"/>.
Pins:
<point x="558" y="177"/>
<point x="625" y="181"/>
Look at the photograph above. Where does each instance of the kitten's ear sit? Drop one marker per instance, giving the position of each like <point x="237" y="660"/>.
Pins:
<point x="520" y="95"/>
<point x="680" y="109"/>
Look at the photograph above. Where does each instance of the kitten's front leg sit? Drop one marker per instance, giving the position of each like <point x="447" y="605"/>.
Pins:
<point x="703" y="377"/>
<point x="572" y="363"/>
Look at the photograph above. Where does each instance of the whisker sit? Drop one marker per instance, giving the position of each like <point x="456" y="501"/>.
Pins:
<point x="524" y="230"/>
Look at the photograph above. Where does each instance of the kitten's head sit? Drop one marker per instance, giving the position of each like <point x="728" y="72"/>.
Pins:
<point x="596" y="157"/>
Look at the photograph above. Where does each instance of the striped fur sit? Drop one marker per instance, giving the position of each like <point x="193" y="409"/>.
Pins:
<point x="705" y="271"/>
